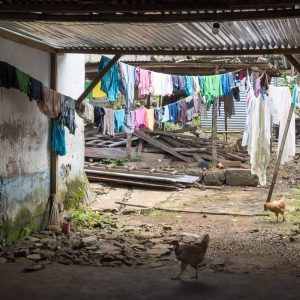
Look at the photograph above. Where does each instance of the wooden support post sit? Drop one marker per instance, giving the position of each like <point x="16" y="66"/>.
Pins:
<point x="148" y="101"/>
<point x="287" y="126"/>
<point x="97" y="79"/>
<point x="140" y="148"/>
<point x="53" y="155"/>
<point x="214" y="132"/>
<point x="128" y="146"/>
<point x="226" y="126"/>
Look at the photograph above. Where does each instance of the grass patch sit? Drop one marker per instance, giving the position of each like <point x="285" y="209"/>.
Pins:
<point x="153" y="212"/>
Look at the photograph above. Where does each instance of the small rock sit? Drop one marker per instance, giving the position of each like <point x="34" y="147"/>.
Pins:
<point x="38" y="245"/>
<point x="91" y="248"/>
<point x="204" y="216"/>
<point x="89" y="239"/>
<point x="167" y="227"/>
<point x="32" y="239"/>
<point x="190" y="237"/>
<point x="34" y="257"/>
<point x="21" y="253"/>
<point x="158" y="252"/>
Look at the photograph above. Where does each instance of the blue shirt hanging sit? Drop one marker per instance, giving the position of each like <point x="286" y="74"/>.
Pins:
<point x="189" y="85"/>
<point x="110" y="81"/>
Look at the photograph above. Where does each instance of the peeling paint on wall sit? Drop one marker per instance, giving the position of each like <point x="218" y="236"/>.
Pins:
<point x="25" y="143"/>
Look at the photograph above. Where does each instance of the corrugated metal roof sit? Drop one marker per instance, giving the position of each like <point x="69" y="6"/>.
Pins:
<point x="131" y="38"/>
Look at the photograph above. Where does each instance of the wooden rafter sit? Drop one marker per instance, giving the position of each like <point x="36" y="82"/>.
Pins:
<point x="151" y="17"/>
<point x="293" y="61"/>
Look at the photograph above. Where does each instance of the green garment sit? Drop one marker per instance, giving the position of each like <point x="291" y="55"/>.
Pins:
<point x="23" y="81"/>
<point x="87" y="83"/>
<point x="212" y="88"/>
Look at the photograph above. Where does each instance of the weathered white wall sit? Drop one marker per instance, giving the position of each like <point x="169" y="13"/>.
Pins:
<point x="24" y="145"/>
<point x="71" y="77"/>
<point x="25" y="139"/>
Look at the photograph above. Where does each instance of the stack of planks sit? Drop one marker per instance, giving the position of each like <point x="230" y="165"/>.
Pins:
<point x="138" y="177"/>
<point x="183" y="145"/>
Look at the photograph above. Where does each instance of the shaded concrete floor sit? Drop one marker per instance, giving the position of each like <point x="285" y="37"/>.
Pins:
<point x="75" y="282"/>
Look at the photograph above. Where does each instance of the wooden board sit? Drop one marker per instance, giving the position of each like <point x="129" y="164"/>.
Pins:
<point x="146" y="137"/>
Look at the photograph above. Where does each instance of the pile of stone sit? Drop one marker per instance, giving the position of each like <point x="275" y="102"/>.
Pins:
<point x="131" y="246"/>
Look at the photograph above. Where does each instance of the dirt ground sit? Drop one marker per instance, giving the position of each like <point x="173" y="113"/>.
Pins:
<point x="239" y="244"/>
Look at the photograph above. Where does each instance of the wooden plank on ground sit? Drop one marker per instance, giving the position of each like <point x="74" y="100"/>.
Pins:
<point x="146" y="137"/>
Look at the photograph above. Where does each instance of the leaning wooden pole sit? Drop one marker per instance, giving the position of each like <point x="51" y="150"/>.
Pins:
<point x="97" y="79"/>
<point x="287" y="126"/>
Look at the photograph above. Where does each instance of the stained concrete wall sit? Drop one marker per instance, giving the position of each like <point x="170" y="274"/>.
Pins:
<point x="71" y="77"/>
<point x="25" y="142"/>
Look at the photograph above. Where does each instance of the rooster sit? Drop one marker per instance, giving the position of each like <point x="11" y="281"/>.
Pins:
<point x="192" y="254"/>
<point x="277" y="207"/>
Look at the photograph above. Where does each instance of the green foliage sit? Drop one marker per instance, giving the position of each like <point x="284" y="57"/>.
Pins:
<point x="75" y="199"/>
<point x="171" y="126"/>
<point x="84" y="218"/>
<point x="196" y="122"/>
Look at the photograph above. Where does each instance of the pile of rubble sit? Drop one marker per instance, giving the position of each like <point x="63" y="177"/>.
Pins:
<point x="132" y="246"/>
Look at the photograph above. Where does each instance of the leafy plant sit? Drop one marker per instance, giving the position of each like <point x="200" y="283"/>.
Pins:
<point x="196" y="122"/>
<point x="84" y="218"/>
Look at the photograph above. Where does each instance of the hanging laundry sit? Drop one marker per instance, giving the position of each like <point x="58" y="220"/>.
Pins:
<point x="108" y="122"/>
<point x="130" y="117"/>
<point x="8" y="76"/>
<point x="110" y="81"/>
<point x="226" y="84"/>
<point x="281" y="100"/>
<point x="190" y="110"/>
<point x="88" y="113"/>
<point x="229" y="108"/>
<point x="58" y="140"/>
<point x="158" y="115"/>
<point x="156" y="84"/>
<point x="176" y="83"/>
<point x="140" y="118"/>
<point x="197" y="104"/>
<point x="260" y="138"/>
<point x="120" y="121"/>
<point x="246" y="140"/>
<point x="196" y="85"/>
<point x="296" y="95"/>
<point x="212" y="88"/>
<point x="35" y="91"/>
<point x="150" y="119"/>
<point x="97" y="92"/>
<point x="50" y="104"/>
<point x="99" y="114"/>
<point x="166" y="114"/>
<point x="182" y="111"/>
<point x="23" y="81"/>
<point x="189" y="85"/>
<point x="173" y="112"/>
<point x="143" y="82"/>
<point x="167" y="85"/>
<point x="127" y="81"/>
<point x="67" y="113"/>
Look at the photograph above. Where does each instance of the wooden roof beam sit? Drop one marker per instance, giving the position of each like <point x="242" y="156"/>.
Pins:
<point x="293" y="61"/>
<point x="227" y="52"/>
<point x="25" y="41"/>
<point x="154" y="6"/>
<point x="152" y="18"/>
